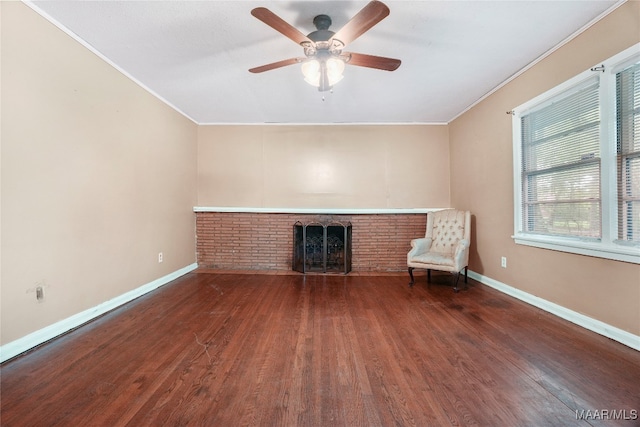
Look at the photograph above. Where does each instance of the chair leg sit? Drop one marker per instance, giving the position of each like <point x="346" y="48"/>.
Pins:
<point x="411" y="275"/>
<point x="428" y="275"/>
<point x="456" y="276"/>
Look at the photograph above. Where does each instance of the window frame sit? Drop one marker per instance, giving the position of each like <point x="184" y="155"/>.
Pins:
<point x="608" y="246"/>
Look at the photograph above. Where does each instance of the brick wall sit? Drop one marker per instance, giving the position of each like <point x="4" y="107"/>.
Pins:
<point x="264" y="241"/>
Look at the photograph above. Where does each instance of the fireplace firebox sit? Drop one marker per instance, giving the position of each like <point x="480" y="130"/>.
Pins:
<point x="322" y="247"/>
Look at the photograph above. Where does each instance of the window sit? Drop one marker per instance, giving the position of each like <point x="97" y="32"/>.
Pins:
<point x="561" y="165"/>
<point x="577" y="163"/>
<point x="628" y="152"/>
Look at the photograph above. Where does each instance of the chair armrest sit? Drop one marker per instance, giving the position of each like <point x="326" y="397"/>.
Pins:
<point x="461" y="254"/>
<point x="419" y="246"/>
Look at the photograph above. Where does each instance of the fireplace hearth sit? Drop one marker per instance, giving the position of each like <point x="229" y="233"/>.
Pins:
<point x="322" y="247"/>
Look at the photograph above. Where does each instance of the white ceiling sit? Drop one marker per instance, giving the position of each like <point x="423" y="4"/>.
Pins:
<point x="195" y="55"/>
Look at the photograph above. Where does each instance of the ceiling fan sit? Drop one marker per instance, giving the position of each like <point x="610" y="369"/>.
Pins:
<point x="324" y="59"/>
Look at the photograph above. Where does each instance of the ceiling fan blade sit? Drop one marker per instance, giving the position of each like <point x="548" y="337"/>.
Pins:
<point x="369" y="16"/>
<point x="275" y="65"/>
<point x="371" y="61"/>
<point x="280" y="25"/>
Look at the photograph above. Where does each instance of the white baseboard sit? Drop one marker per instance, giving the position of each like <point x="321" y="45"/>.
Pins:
<point x="586" y="322"/>
<point x="47" y="333"/>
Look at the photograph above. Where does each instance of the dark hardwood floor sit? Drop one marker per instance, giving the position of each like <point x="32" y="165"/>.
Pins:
<point x="212" y="349"/>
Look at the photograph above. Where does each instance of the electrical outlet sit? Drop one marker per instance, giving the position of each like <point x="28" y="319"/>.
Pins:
<point x="160" y="257"/>
<point x="40" y="293"/>
<point x="503" y="262"/>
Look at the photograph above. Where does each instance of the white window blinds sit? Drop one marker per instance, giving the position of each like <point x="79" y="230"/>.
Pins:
<point x="561" y="164"/>
<point x="628" y="152"/>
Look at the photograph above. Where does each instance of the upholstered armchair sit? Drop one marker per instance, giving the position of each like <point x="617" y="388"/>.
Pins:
<point x="445" y="246"/>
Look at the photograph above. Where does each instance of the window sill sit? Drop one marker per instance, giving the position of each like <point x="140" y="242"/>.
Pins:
<point x="617" y="252"/>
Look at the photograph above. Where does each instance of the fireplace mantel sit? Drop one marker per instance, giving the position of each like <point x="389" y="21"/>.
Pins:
<point x="336" y="211"/>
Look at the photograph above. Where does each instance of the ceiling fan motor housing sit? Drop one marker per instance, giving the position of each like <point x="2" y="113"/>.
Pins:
<point x="322" y="34"/>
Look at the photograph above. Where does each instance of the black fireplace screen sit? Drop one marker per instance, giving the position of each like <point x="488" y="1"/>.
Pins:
<point x="322" y="247"/>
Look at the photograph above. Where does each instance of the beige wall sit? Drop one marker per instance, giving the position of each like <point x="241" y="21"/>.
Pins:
<point x="337" y="166"/>
<point x="482" y="181"/>
<point x="98" y="177"/>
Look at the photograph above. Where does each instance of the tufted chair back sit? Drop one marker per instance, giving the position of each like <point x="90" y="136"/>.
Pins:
<point x="446" y="228"/>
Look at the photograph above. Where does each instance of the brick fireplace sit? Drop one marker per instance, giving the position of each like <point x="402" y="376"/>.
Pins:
<point x="241" y="240"/>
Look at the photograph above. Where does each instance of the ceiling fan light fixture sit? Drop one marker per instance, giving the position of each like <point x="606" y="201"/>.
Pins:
<point x="311" y="72"/>
<point x="335" y="68"/>
<point x="323" y="73"/>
